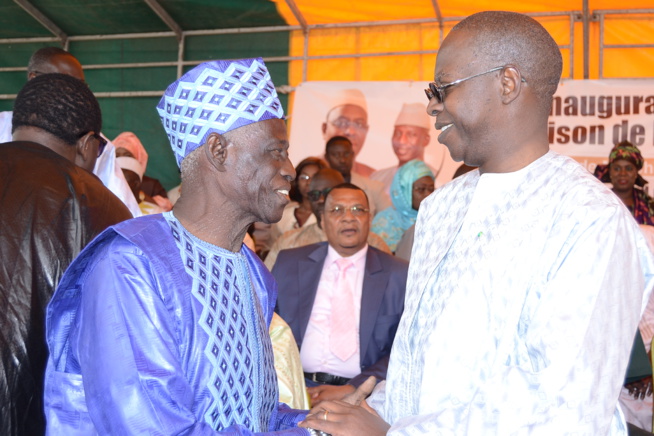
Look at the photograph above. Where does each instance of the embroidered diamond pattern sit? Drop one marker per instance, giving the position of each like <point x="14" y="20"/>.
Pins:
<point x="229" y="94"/>
<point x="225" y="311"/>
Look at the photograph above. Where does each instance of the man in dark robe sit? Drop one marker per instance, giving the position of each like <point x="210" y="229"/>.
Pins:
<point x="51" y="206"/>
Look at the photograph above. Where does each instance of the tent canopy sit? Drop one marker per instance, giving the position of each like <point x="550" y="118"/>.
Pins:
<point x="132" y="49"/>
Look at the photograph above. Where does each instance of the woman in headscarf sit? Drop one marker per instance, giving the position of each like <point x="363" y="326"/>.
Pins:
<point x="133" y="172"/>
<point x="413" y="182"/>
<point x="625" y="161"/>
<point x="149" y="188"/>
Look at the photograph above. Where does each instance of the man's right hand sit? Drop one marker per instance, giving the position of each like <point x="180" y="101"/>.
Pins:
<point x="351" y="416"/>
<point x="342" y="419"/>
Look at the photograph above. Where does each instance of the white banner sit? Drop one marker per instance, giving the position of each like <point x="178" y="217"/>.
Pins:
<point x="588" y="118"/>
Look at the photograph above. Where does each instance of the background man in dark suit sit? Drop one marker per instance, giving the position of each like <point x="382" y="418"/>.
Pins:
<point x="342" y="298"/>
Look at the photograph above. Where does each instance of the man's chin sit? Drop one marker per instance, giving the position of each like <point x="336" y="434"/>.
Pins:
<point x="273" y="218"/>
<point x="269" y="213"/>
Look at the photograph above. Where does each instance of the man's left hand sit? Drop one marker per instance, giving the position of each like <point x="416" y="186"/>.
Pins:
<point x="328" y="393"/>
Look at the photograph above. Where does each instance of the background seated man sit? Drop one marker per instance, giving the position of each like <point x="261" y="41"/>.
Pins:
<point x="342" y="299"/>
<point x="321" y="183"/>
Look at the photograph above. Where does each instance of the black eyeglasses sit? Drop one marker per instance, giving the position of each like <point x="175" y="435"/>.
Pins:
<point x="438" y="91"/>
<point x="316" y="194"/>
<point x="102" y="143"/>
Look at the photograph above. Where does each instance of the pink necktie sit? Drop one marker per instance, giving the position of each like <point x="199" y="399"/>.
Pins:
<point x="343" y="340"/>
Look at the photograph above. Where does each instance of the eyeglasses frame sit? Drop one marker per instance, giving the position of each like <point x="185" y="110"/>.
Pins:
<point x="435" y="90"/>
<point x="102" y="143"/>
<point x="353" y="210"/>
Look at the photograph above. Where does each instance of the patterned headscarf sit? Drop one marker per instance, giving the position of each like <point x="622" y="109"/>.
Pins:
<point x="217" y="96"/>
<point x="391" y="223"/>
<point x="626" y="151"/>
<point x="643" y="208"/>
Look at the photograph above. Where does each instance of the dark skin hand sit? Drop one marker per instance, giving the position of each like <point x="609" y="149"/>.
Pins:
<point x="321" y="393"/>
<point x="351" y="416"/>
<point x="641" y="388"/>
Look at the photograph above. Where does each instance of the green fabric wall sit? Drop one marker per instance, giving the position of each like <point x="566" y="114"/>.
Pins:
<point x="138" y="114"/>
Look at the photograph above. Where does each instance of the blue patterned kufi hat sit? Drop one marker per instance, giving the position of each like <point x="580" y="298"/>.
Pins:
<point x="217" y="96"/>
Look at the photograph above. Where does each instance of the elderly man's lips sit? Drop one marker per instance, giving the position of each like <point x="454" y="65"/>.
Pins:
<point x="284" y="194"/>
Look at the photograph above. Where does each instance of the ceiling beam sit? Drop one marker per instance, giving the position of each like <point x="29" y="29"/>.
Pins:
<point x="165" y="17"/>
<point x="298" y="15"/>
<point x="586" y="18"/>
<point x="437" y="10"/>
<point x="42" y="19"/>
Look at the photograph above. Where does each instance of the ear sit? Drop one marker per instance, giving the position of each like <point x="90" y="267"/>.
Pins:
<point x="324" y="128"/>
<point x="216" y="151"/>
<point x="31" y="75"/>
<point x="85" y="151"/>
<point x="511" y="84"/>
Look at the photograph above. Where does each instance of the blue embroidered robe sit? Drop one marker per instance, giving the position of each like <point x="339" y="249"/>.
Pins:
<point x="152" y="331"/>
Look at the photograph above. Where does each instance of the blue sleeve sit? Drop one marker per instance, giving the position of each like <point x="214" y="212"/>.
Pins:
<point x="288" y="418"/>
<point x="127" y="346"/>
